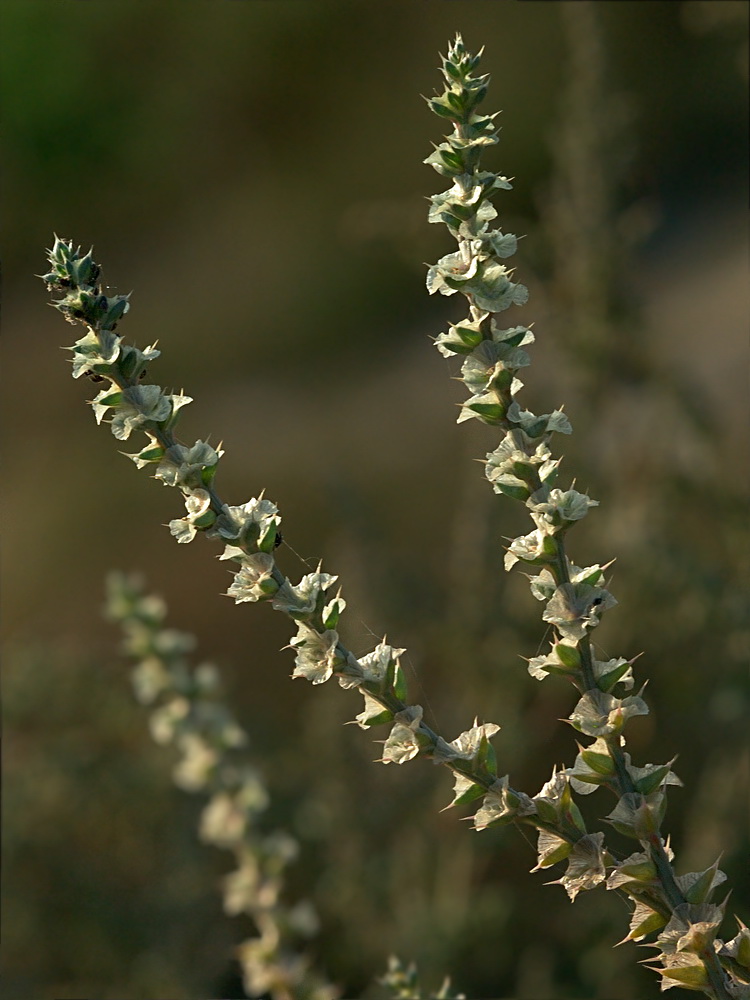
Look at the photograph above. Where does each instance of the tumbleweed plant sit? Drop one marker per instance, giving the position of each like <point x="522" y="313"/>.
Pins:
<point x="679" y="915"/>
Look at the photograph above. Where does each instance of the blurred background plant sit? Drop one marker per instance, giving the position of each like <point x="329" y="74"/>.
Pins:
<point x="225" y="160"/>
<point x="189" y="711"/>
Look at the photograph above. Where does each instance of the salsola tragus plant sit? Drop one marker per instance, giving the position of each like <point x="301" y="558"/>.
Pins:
<point x="190" y="713"/>
<point x="679" y="909"/>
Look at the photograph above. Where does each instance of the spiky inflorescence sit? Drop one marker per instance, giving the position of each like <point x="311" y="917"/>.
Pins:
<point x="251" y="534"/>
<point x="523" y="468"/>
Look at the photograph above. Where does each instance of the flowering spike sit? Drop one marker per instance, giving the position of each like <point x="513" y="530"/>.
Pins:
<point x="521" y="467"/>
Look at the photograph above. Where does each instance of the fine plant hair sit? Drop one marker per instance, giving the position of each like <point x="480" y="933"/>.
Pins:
<point x="679" y="910"/>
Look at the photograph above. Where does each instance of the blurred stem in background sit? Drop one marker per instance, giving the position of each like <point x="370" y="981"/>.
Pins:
<point x="592" y="243"/>
<point x="189" y="710"/>
<point x="594" y="238"/>
<point x="661" y="461"/>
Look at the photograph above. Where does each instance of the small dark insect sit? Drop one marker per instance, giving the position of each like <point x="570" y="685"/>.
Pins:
<point x="279" y="540"/>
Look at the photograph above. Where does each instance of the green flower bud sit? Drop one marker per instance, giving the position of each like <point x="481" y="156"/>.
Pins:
<point x="739" y="947"/>
<point x="373" y="714"/>
<point x="567" y="654"/>
<point x="551" y="849"/>
<point x="636" y="870"/>
<point x="645" y="920"/>
<point x="697" y="887"/>
<point x="501" y="805"/>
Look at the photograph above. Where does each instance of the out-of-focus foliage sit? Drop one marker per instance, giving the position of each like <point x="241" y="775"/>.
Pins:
<point x="189" y="711"/>
<point x="227" y="160"/>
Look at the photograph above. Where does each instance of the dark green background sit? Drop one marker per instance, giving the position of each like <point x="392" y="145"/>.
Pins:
<point x="252" y="170"/>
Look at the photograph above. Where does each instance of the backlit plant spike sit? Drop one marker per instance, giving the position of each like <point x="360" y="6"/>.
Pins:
<point x="523" y="468"/>
<point x="250" y="533"/>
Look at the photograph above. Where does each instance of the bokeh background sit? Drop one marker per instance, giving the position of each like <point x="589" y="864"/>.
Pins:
<point x="252" y="170"/>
